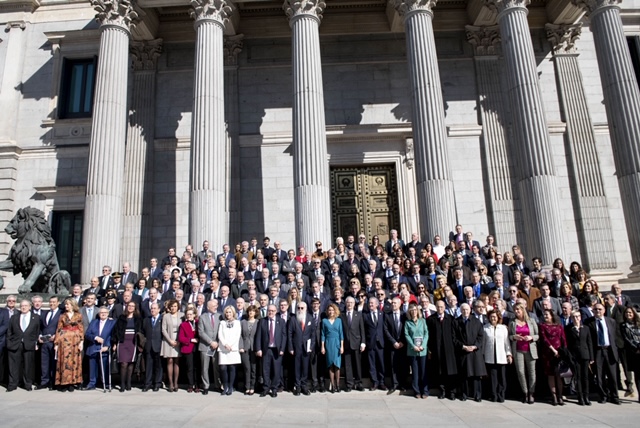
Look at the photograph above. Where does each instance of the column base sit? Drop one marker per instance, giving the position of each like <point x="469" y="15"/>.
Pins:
<point x="606" y="277"/>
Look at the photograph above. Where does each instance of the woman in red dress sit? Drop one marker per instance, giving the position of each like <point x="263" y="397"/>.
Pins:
<point x="552" y="338"/>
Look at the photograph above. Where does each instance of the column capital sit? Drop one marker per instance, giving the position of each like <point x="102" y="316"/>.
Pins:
<point x="15" y="24"/>
<point x="503" y="5"/>
<point x="211" y="10"/>
<point x="592" y="6"/>
<point x="115" y="12"/>
<point x="485" y="40"/>
<point x="296" y="8"/>
<point x="406" y="7"/>
<point x="232" y="47"/>
<point x="145" y="54"/>
<point x="563" y="37"/>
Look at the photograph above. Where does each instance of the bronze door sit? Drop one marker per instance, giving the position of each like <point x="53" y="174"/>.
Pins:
<point x="364" y="200"/>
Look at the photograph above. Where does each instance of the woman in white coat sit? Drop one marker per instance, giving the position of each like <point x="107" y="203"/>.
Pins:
<point x="229" y="334"/>
<point x="497" y="354"/>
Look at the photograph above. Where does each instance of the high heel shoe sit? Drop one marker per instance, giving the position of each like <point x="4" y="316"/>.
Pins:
<point x="337" y="388"/>
<point x="554" y="402"/>
<point x="560" y="400"/>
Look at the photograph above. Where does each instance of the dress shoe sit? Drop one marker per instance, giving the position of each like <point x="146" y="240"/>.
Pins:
<point x="463" y="397"/>
<point x="263" y="394"/>
<point x="418" y="396"/>
<point x="321" y="389"/>
<point x="189" y="390"/>
<point x="296" y="392"/>
<point x="587" y="402"/>
<point x="530" y="400"/>
<point x="281" y="389"/>
<point x="205" y="392"/>
<point x="196" y="390"/>
<point x="71" y="388"/>
<point x="424" y="396"/>
<point x="121" y="390"/>
<point x="452" y="396"/>
<point x="382" y="387"/>
<point x="40" y="386"/>
<point x="11" y="389"/>
<point x="477" y="399"/>
<point x="306" y="392"/>
<point x="615" y="400"/>
<point x="441" y="395"/>
<point x="580" y="401"/>
<point x="274" y="394"/>
<point x="500" y="400"/>
<point x="601" y="400"/>
<point x="359" y="388"/>
<point x="145" y="389"/>
<point x="374" y="387"/>
<point x="229" y="391"/>
<point x="391" y="391"/>
<point x="90" y="388"/>
<point x="494" y="399"/>
<point x="347" y="389"/>
<point x="156" y="389"/>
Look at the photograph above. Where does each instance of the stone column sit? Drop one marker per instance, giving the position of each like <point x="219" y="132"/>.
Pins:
<point x="436" y="203"/>
<point x="207" y="191"/>
<point x="622" y="102"/>
<point x="501" y="206"/>
<point x="103" y="206"/>
<point x="310" y="164"/>
<point x="11" y="89"/>
<point x="594" y="225"/>
<point x="138" y="195"/>
<point x="538" y="185"/>
<point x="232" y="48"/>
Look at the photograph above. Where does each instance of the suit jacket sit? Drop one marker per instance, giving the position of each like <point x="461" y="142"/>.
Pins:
<point x="153" y="334"/>
<point x="207" y="331"/>
<point x="109" y="282"/>
<point x="507" y="273"/>
<point x="229" y="302"/>
<point x="297" y="338"/>
<point x="94" y="331"/>
<point x="555" y="305"/>
<point x="579" y="342"/>
<point x="374" y="332"/>
<point x="388" y="246"/>
<point x="533" y="332"/>
<point x="289" y="265"/>
<point x="4" y="326"/>
<point x="52" y="325"/>
<point x="85" y="317"/>
<point x="392" y="333"/>
<point x="441" y="344"/>
<point x="145" y="308"/>
<point x="611" y="330"/>
<point x="534" y="294"/>
<point x="354" y="332"/>
<point x="262" y="335"/>
<point x="99" y="292"/>
<point x="27" y="338"/>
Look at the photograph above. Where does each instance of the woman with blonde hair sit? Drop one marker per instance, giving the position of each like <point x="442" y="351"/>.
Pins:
<point x="229" y="337"/>
<point x="523" y="334"/>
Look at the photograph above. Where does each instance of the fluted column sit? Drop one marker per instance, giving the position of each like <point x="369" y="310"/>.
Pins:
<point x="138" y="195"/>
<point x="436" y="202"/>
<point x="103" y="206"/>
<point x="207" y="200"/>
<point x="11" y="89"/>
<point x="594" y="225"/>
<point x="501" y="209"/>
<point x="622" y="103"/>
<point x="310" y="165"/>
<point x="538" y="185"/>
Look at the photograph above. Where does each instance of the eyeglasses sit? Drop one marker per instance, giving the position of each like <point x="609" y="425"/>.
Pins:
<point x="361" y="296"/>
<point x="513" y="291"/>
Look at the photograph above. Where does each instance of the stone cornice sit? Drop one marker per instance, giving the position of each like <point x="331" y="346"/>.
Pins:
<point x="115" y="12"/>
<point x="406" y="7"/>
<point x="296" y="8"/>
<point x="485" y="40"/>
<point x="211" y="10"/>
<point x="503" y="5"/>
<point x="28" y="6"/>
<point x="563" y="37"/>
<point x="145" y="54"/>
<point x="232" y="47"/>
<point x="591" y="6"/>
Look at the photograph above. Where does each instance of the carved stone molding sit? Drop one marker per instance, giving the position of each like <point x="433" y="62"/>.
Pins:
<point x="485" y="40"/>
<point x="294" y="8"/>
<point x="232" y="47"/>
<point x="409" y="157"/>
<point x="15" y="24"/>
<point x="563" y="37"/>
<point x="145" y="54"/>
<point x="591" y="6"/>
<point x="216" y="10"/>
<point x="405" y="7"/>
<point x="115" y="12"/>
<point x="502" y="5"/>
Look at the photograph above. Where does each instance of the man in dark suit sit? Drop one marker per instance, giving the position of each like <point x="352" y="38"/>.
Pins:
<point x="89" y="310"/>
<point x="621" y="299"/>
<point x="98" y="339"/>
<point x="506" y="270"/>
<point x="301" y="332"/>
<point x="603" y="337"/>
<point x="394" y="335"/>
<point x="316" y="359"/>
<point x="225" y="299"/>
<point x="393" y="240"/>
<point x="458" y="283"/>
<point x="152" y="328"/>
<point x="94" y="288"/>
<point x="5" y="317"/>
<point x="145" y="307"/>
<point x="354" y="345"/>
<point x="22" y="339"/>
<point x="270" y="344"/>
<point x="545" y="296"/>
<point x="442" y="350"/>
<point x="469" y="340"/>
<point x="414" y="278"/>
<point x="105" y="280"/>
<point x="155" y="271"/>
<point x="374" y="340"/>
<point x="48" y="327"/>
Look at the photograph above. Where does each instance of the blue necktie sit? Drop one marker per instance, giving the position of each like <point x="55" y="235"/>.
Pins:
<point x="600" y="333"/>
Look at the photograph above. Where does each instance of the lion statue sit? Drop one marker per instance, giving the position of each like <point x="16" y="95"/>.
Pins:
<point x="34" y="254"/>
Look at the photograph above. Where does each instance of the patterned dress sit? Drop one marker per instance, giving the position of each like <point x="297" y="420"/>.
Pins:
<point x="551" y="335"/>
<point x="69" y="336"/>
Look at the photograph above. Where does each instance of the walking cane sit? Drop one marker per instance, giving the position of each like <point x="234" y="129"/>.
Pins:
<point x="104" y="386"/>
<point x="109" y="364"/>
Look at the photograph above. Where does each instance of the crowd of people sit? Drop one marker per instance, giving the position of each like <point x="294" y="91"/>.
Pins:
<point x="457" y="318"/>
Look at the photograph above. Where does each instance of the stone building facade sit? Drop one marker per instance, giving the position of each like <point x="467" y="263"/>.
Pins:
<point x="140" y="125"/>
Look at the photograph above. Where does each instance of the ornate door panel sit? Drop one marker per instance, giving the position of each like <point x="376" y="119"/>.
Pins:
<point x="364" y="200"/>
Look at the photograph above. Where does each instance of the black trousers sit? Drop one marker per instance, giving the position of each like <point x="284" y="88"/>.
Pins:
<point x="21" y="363"/>
<point x="376" y="365"/>
<point x="606" y="366"/>
<point x="471" y="387"/>
<point x="48" y="364"/>
<point x="398" y="367"/>
<point x="581" y="377"/>
<point x="353" y="367"/>
<point x="154" y="371"/>
<point x="191" y="368"/>
<point x="301" y="367"/>
<point x="271" y="369"/>
<point x="318" y="365"/>
<point x="498" y="375"/>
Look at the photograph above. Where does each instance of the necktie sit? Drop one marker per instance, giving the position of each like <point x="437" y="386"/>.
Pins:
<point x="350" y="318"/>
<point x="271" y="332"/>
<point x="101" y="327"/>
<point x="601" y="340"/>
<point x="620" y="300"/>
<point x="302" y="325"/>
<point x="153" y="321"/>
<point x="375" y="318"/>
<point x="49" y="316"/>
<point x="397" y="316"/>
<point x="90" y="313"/>
<point x="24" y="323"/>
<point x="223" y="302"/>
<point x="315" y="318"/>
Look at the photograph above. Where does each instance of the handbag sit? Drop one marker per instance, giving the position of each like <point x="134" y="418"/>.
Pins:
<point x="564" y="370"/>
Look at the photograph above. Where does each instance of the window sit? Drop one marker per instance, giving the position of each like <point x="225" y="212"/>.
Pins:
<point x="634" y="50"/>
<point x="67" y="234"/>
<point x="76" y="94"/>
